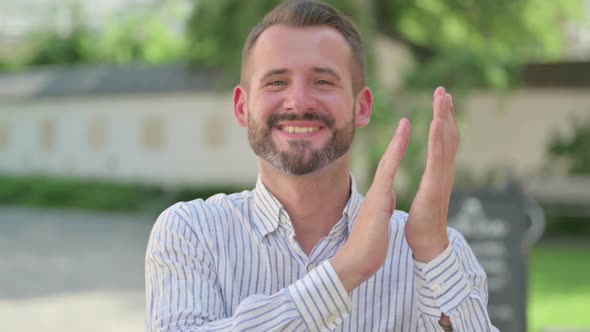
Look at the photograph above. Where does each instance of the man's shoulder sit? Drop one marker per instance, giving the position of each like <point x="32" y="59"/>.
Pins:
<point x="226" y="200"/>
<point x="198" y="212"/>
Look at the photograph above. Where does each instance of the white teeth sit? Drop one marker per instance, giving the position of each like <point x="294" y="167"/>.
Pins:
<point x="300" y="130"/>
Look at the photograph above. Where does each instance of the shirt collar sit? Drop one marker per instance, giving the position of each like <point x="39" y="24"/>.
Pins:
<point x="353" y="205"/>
<point x="267" y="208"/>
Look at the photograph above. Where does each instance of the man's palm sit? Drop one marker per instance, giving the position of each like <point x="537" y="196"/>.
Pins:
<point x="426" y="229"/>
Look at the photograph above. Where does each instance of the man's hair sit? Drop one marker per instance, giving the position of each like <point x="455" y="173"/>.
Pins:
<point x="308" y="13"/>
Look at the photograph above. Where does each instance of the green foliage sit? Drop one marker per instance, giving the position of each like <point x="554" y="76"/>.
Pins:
<point x="504" y="28"/>
<point x="464" y="69"/>
<point x="475" y="43"/>
<point x="52" y="48"/>
<point x="8" y="65"/>
<point x="98" y="195"/>
<point x="563" y="226"/>
<point x="217" y="30"/>
<point x="144" y="37"/>
<point x="134" y="37"/>
<point x="574" y="149"/>
<point x="464" y="45"/>
<point x="458" y="43"/>
<point x="52" y="45"/>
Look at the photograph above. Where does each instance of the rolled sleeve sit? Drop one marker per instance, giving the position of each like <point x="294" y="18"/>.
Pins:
<point x="442" y="284"/>
<point x="321" y="299"/>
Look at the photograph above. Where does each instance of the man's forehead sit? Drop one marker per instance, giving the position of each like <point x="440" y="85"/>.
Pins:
<point x="289" y="43"/>
<point x="284" y="35"/>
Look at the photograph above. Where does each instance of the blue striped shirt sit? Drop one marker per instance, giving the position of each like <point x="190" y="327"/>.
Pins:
<point x="231" y="263"/>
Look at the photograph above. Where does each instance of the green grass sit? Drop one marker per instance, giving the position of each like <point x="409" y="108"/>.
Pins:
<point x="559" y="286"/>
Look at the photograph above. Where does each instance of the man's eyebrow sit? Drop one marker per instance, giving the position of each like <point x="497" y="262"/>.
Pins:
<point x="326" y="70"/>
<point x="273" y="72"/>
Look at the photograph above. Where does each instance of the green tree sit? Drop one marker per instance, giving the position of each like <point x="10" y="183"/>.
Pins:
<point x="140" y="36"/>
<point x="476" y="43"/>
<point x="464" y="43"/>
<point x="460" y="44"/>
<point x="217" y="30"/>
<point x="573" y="149"/>
<point x="53" y="48"/>
<point x="144" y="36"/>
<point x="52" y="45"/>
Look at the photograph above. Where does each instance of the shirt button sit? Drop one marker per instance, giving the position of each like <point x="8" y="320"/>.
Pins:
<point x="420" y="284"/>
<point x="435" y="289"/>
<point x="332" y="319"/>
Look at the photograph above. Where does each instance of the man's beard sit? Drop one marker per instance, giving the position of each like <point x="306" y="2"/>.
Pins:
<point x="300" y="158"/>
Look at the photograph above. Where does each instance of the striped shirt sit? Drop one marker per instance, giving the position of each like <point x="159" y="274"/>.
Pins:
<point x="231" y="263"/>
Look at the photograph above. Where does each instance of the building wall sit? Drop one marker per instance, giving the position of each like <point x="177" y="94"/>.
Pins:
<point x="177" y="139"/>
<point x="512" y="131"/>
<point x="168" y="139"/>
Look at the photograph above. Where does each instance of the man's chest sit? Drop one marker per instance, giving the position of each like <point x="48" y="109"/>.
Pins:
<point x="385" y="302"/>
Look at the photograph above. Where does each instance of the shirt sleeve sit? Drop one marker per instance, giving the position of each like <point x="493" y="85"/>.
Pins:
<point x="453" y="284"/>
<point x="182" y="292"/>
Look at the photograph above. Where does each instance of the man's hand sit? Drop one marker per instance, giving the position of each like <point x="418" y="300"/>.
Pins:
<point x="366" y="248"/>
<point x="426" y="229"/>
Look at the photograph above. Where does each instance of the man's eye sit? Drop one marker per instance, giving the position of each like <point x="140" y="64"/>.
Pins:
<point x="324" y="82"/>
<point x="277" y="83"/>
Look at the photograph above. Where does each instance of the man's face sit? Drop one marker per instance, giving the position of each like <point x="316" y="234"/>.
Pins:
<point x="299" y="104"/>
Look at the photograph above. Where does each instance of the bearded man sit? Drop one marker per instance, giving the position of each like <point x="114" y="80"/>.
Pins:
<point x="304" y="251"/>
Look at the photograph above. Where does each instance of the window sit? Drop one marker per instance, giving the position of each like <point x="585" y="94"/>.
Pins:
<point x="47" y="134"/>
<point x="96" y="134"/>
<point x="214" y="133"/>
<point x="152" y="136"/>
<point x="4" y="135"/>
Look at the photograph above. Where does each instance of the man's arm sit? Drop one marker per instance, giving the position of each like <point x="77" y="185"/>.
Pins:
<point x="447" y="272"/>
<point x="427" y="235"/>
<point x="183" y="292"/>
<point x="453" y="286"/>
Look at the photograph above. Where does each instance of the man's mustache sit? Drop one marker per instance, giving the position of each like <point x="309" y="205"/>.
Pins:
<point x="326" y="119"/>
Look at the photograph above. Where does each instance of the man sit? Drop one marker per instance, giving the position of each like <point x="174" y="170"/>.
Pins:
<point x="304" y="251"/>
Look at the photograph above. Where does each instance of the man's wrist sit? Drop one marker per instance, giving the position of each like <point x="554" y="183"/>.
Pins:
<point x="350" y="278"/>
<point x="427" y="253"/>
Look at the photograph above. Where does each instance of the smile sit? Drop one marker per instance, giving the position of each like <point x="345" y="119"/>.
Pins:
<point x="299" y="130"/>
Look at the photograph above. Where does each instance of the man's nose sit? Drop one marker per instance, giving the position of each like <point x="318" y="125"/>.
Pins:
<point x="299" y="98"/>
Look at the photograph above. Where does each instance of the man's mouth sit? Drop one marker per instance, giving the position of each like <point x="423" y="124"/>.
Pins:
<point x="298" y="130"/>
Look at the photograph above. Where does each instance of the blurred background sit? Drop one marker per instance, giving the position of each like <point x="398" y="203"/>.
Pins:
<point x="112" y="110"/>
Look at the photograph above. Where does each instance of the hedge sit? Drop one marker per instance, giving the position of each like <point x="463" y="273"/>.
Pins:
<point x="43" y="191"/>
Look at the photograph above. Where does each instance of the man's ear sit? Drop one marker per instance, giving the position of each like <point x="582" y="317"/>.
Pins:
<point x="363" y="107"/>
<point x="240" y="106"/>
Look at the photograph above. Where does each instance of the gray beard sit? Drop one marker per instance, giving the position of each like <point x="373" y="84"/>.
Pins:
<point x="301" y="158"/>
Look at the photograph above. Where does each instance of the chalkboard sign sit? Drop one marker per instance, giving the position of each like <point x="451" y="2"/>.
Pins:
<point x="495" y="224"/>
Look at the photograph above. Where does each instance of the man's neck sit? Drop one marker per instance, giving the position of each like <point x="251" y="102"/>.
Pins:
<point x="314" y="202"/>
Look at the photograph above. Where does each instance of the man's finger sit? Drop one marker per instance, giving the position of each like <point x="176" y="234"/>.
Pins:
<point x="440" y="91"/>
<point x="392" y="157"/>
<point x="438" y="105"/>
<point x="452" y="108"/>
<point x="435" y="155"/>
<point x="442" y="139"/>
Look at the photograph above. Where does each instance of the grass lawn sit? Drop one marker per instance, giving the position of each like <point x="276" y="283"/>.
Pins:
<point x="559" y="285"/>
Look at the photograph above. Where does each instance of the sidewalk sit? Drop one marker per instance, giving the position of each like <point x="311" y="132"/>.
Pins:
<point x="71" y="271"/>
